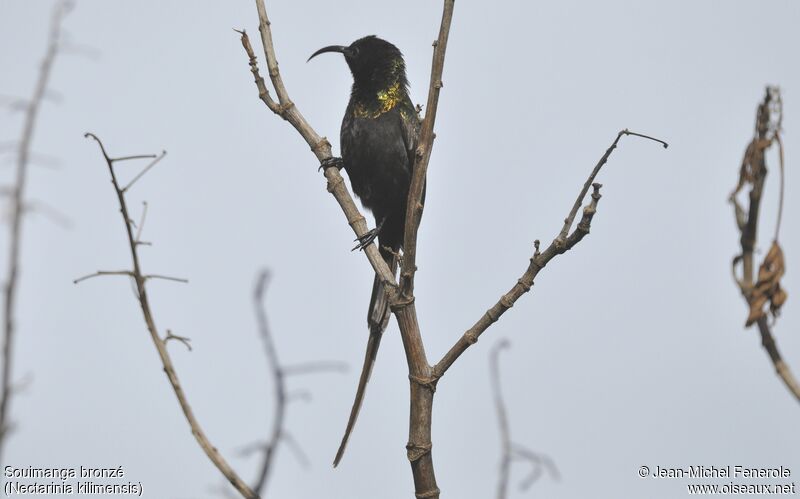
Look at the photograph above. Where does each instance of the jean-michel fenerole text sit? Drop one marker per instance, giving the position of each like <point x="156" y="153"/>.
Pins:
<point x="736" y="471"/>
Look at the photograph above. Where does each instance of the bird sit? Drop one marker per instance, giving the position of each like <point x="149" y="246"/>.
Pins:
<point x="378" y="142"/>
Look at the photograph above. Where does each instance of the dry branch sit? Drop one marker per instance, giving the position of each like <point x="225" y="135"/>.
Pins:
<point x="18" y="209"/>
<point x="510" y="450"/>
<point x="279" y="373"/>
<point x="422" y="376"/>
<point x="767" y="288"/>
<point x="140" y="280"/>
<point x="561" y="244"/>
<point x="414" y="205"/>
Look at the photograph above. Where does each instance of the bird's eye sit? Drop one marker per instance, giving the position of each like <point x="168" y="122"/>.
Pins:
<point x="354" y="51"/>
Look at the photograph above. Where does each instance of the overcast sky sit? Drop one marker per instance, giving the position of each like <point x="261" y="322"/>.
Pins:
<point x="629" y="351"/>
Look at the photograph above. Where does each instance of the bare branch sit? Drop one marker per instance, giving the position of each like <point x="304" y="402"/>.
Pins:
<point x="502" y="419"/>
<point x="182" y="339"/>
<point x="574" y="211"/>
<point x="101" y="273"/>
<point x="140" y="280"/>
<point x="165" y="277"/>
<point x="140" y="228"/>
<point x="539" y="463"/>
<point x="510" y="451"/>
<point x="145" y="170"/>
<point x="423" y="378"/>
<point x="18" y="204"/>
<point x="561" y="244"/>
<point x="319" y="145"/>
<point x="135" y="156"/>
<point x="279" y="413"/>
<point x="296" y="449"/>
<point x="423" y="155"/>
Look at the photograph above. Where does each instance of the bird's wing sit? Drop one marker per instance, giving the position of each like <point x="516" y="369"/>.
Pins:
<point x="411" y="127"/>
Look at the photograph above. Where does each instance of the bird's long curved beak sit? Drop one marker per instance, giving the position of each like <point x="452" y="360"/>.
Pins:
<point x="330" y="48"/>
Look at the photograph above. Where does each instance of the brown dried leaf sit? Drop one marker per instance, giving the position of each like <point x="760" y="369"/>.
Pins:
<point x="768" y="287"/>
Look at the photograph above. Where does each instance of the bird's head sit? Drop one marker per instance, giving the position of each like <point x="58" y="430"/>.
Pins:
<point x="374" y="62"/>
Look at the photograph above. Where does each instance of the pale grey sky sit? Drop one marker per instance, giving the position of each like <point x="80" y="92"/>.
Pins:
<point x="629" y="351"/>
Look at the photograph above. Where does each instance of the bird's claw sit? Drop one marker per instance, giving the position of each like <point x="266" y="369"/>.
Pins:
<point x="331" y="163"/>
<point x="367" y="238"/>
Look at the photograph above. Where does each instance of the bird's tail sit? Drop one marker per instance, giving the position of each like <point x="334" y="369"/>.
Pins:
<point x="377" y="319"/>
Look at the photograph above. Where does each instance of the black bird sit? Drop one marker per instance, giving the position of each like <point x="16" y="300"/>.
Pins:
<point x="378" y="142"/>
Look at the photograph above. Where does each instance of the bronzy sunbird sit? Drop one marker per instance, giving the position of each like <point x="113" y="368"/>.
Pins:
<point x="378" y="142"/>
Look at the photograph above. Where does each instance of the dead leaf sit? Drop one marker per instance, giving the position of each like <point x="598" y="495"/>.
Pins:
<point x="768" y="287"/>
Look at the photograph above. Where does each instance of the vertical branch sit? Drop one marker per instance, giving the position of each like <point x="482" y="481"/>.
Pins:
<point x="510" y="451"/>
<point x="18" y="206"/>
<point x="502" y="420"/>
<point x="161" y="344"/>
<point x="423" y="155"/>
<point x="278" y="375"/>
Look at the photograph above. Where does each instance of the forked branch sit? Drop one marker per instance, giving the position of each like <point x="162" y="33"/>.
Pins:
<point x="563" y="242"/>
<point x="509" y="450"/>
<point x="278" y="433"/>
<point x="422" y="376"/>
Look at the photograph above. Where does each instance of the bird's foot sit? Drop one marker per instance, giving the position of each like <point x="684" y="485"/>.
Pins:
<point x="332" y="162"/>
<point x="367" y="238"/>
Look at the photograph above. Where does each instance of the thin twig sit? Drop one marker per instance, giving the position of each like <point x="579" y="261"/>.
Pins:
<point x="561" y="244"/>
<point x="140" y="280"/>
<point x="144" y="170"/>
<point x="539" y="463"/>
<point x="18" y="210"/>
<point x="574" y="211"/>
<point x="142" y="220"/>
<point x="101" y="273"/>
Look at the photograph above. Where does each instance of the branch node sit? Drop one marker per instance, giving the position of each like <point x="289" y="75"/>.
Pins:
<point x="431" y="493"/>
<point x="400" y="304"/>
<point x="333" y="184"/>
<point x="183" y="339"/>
<point x="429" y="382"/>
<point x="416" y="452"/>
<point x="321" y="145"/>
